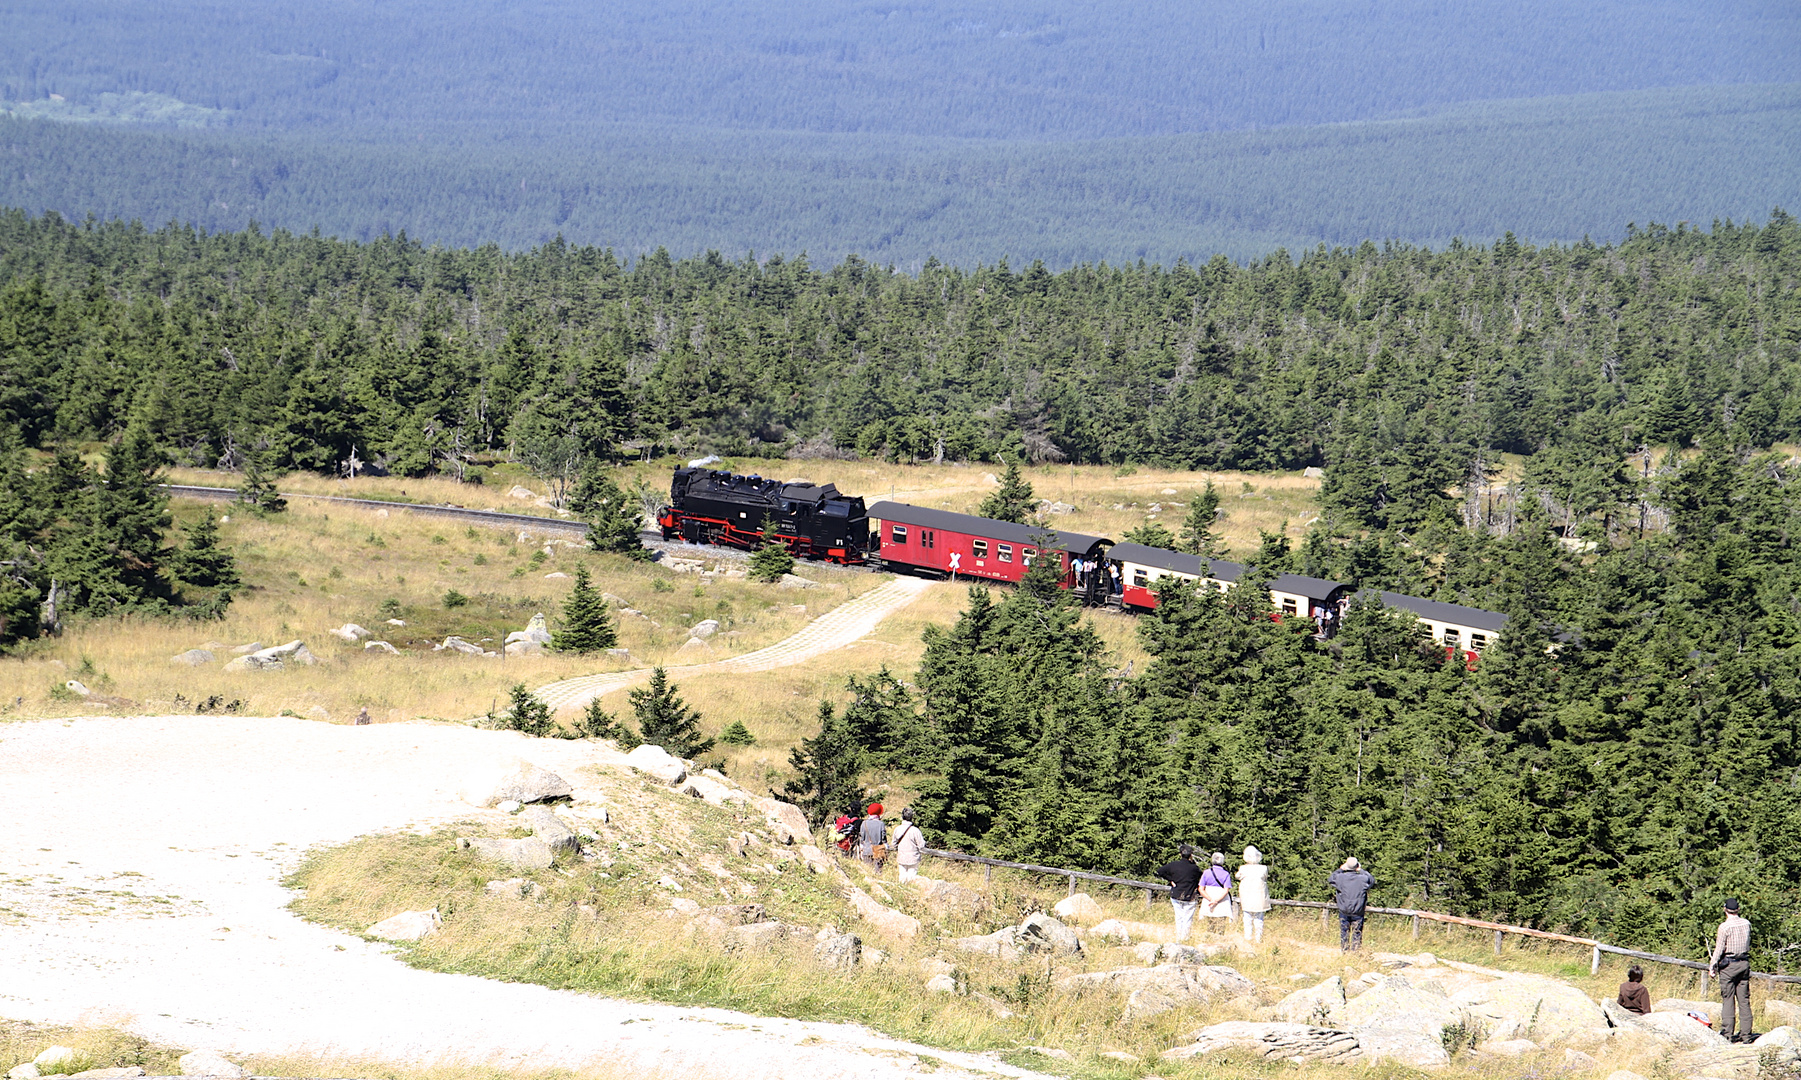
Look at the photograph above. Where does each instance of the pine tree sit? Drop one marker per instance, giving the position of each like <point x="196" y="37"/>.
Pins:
<point x="596" y="723"/>
<point x="203" y="562"/>
<point x="665" y="720"/>
<point x="1012" y="501"/>
<point x="772" y="560"/>
<point x="258" y="489"/>
<point x="828" y="770"/>
<point x="587" y="626"/>
<point x="1198" y="537"/>
<point x="1151" y="534"/>
<point x="524" y="712"/>
<point x="613" y="516"/>
<point x="736" y="734"/>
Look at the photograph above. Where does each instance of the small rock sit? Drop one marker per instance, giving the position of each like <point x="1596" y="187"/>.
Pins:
<point x="1079" y="908"/>
<point x="555" y="575"/>
<point x="553" y="830"/>
<point x="27" y="1071"/>
<point x="704" y="629"/>
<point x="350" y="632"/>
<point x="685" y="906"/>
<point x="396" y="622"/>
<point x="517" y="780"/>
<point x="890" y="922"/>
<point x="457" y="644"/>
<point x="1785" y="1013"/>
<point x="694" y="646"/>
<point x="669" y="883"/>
<point x="380" y="647"/>
<point x="620" y="654"/>
<point x="655" y="762"/>
<point x="1169" y="491"/>
<point x="791" y="581"/>
<point x="1112" y="931"/>
<point x="509" y="806"/>
<point x="1787" y="1035"/>
<point x="1578" y="1061"/>
<point x="840" y="952"/>
<point x="406" y="926"/>
<point x="1510" y="1047"/>
<point x="192" y="658"/>
<point x="246" y="650"/>
<point x="55" y="1058"/>
<point x="75" y="686"/>
<point x="1313" y="472"/>
<point x="1043" y="933"/>
<point x="510" y="889"/>
<point x="209" y="1063"/>
<point x="525" y="648"/>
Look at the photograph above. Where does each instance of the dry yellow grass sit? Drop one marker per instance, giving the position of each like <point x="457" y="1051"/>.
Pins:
<point x="314" y="568"/>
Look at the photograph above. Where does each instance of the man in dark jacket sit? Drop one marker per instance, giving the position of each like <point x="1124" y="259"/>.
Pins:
<point x="1352" y="884"/>
<point x="1184" y="879"/>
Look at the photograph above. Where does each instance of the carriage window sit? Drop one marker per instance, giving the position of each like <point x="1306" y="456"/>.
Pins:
<point x="981" y="549"/>
<point x="1220" y="585"/>
<point x="1289" y="608"/>
<point x="1451" y="637"/>
<point x="1025" y="555"/>
<point x="928" y="538"/>
<point x="1004" y="552"/>
<point x="1478" y="642"/>
<point x="899" y="533"/>
<point x="1139" y="581"/>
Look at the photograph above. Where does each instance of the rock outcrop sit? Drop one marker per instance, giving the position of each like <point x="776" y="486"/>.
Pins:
<point x="274" y="658"/>
<point x="1298" y="1043"/>
<point x="656" y="763"/>
<point x="1156" y="990"/>
<point x="516" y="781"/>
<point x="530" y="853"/>
<point x="1079" y="908"/>
<point x="406" y="926"/>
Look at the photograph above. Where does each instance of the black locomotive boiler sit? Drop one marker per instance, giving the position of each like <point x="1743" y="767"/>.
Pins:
<point x="708" y="506"/>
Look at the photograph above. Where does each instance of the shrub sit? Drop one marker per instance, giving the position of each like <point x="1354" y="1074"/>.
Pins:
<point x="454" y="599"/>
<point x="587" y="627"/>
<point x="736" y="734"/>
<point x="524" y="713"/>
<point x="596" y="723"/>
<point x="666" y="720"/>
<point x="772" y="560"/>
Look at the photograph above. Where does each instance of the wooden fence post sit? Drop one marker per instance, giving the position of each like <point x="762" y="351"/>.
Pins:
<point x="1322" y="916"/>
<point x="1147" y="898"/>
<point x="1416" y="928"/>
<point x="1594" y="963"/>
<point x="987" y="876"/>
<point x="1072" y="884"/>
<point x="1497" y="942"/>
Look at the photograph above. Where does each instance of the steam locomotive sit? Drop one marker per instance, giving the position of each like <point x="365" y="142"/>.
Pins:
<point x="710" y="506"/>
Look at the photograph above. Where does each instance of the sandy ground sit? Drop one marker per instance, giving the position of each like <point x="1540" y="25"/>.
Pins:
<point x="141" y="888"/>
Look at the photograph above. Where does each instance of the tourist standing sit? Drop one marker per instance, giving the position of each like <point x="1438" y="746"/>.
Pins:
<point x="1184" y="879"/>
<point x="909" y="847"/>
<point x="872" y="837"/>
<point x="1216" y="889"/>
<point x="1253" y="893"/>
<point x="1352" y="884"/>
<point x="1732" y="964"/>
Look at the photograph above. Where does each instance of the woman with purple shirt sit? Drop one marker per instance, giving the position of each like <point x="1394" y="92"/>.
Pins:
<point x="1216" y="889"/>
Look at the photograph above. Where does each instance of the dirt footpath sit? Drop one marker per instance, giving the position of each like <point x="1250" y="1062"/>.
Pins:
<point x="141" y="888"/>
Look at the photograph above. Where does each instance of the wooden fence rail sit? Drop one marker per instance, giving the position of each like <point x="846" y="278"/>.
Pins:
<point x="1500" y="929"/>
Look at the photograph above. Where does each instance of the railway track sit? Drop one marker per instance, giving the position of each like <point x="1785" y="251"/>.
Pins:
<point x="491" y="518"/>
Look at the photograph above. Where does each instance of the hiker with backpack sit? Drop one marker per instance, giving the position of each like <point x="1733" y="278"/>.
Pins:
<point x="872" y="838"/>
<point x="909" y="847"/>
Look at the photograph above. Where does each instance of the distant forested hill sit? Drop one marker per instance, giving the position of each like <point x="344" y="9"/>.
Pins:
<point x="967" y="131"/>
<point x="1400" y="368"/>
<point x="1549" y="169"/>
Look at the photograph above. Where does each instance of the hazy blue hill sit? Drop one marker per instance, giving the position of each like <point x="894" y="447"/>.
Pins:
<point x="554" y="69"/>
<point x="1548" y="169"/>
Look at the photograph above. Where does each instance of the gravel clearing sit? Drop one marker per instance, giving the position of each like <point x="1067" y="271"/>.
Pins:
<point x="141" y="888"/>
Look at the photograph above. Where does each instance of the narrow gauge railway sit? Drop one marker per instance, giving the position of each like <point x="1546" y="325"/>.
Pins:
<point x="816" y="521"/>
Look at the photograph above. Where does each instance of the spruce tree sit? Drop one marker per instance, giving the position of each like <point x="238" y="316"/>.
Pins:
<point x="1151" y="534"/>
<point x="736" y="734"/>
<point x="596" y="723"/>
<point x="202" y="561"/>
<point x="258" y="489"/>
<point x="772" y="560"/>
<point x="665" y="720"/>
<point x="828" y="769"/>
<point x="613" y="516"/>
<point x="587" y="626"/>
<point x="1012" y="501"/>
<point x="525" y="712"/>
<point x="1198" y="537"/>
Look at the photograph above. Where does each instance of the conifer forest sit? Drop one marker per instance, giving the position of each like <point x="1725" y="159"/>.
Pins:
<point x="1625" y="756"/>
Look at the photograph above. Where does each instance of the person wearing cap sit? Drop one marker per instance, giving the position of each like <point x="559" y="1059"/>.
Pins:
<point x="872" y="837"/>
<point x="1732" y="963"/>
<point x="1253" y="893"/>
<point x="1352" y="884"/>
<point x="1216" y="888"/>
<point x="1184" y="879"/>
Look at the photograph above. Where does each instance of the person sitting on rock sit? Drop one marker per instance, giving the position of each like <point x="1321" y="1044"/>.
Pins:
<point x="1633" y="995"/>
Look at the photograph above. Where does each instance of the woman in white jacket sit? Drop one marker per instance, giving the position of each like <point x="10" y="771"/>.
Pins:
<point x="1253" y="893"/>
